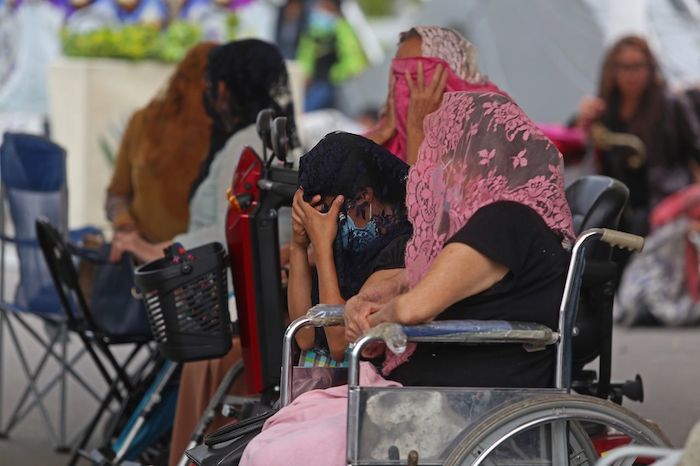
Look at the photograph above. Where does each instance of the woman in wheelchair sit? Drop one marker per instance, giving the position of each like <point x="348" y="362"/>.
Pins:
<point x="491" y="230"/>
<point x="490" y="219"/>
<point x="350" y="207"/>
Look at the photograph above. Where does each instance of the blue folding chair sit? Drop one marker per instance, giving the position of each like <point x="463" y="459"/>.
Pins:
<point x="32" y="186"/>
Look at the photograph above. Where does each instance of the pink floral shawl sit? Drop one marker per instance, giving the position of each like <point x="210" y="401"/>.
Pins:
<point x="479" y="148"/>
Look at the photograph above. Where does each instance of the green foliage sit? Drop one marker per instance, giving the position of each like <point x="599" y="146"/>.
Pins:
<point x="377" y="7"/>
<point x="130" y="42"/>
<point x="176" y="40"/>
<point x="138" y="42"/>
<point x="232" y="25"/>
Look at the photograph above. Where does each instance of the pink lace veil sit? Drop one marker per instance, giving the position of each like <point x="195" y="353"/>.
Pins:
<point x="447" y="44"/>
<point x="479" y="148"/>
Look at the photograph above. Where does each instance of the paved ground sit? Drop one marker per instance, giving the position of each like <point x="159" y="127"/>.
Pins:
<point x="31" y="442"/>
<point x="669" y="361"/>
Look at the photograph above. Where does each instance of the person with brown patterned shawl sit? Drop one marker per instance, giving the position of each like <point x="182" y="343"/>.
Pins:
<point x="160" y="154"/>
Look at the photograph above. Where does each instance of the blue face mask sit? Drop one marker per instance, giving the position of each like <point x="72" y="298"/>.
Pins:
<point x="322" y="21"/>
<point x="354" y="238"/>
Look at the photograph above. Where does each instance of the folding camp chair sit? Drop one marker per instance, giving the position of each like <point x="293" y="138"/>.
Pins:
<point x="32" y="185"/>
<point x="126" y="386"/>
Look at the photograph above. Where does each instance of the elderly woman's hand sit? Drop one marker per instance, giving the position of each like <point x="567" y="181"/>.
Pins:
<point x="423" y="101"/>
<point x="321" y="227"/>
<point x="357" y="312"/>
<point x="424" y="98"/>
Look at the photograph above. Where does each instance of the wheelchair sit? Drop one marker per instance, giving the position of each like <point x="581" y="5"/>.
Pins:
<point x="569" y="424"/>
<point x="478" y="426"/>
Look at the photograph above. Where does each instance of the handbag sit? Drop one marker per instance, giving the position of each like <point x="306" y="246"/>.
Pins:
<point x="116" y="309"/>
<point x="225" y="446"/>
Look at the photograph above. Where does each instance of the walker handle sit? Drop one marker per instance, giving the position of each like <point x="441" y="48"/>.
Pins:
<point x="622" y="240"/>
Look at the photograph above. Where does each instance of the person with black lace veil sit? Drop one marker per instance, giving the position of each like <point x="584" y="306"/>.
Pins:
<point x="350" y="209"/>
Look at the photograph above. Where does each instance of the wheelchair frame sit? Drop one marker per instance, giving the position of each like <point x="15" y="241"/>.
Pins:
<point x="259" y="219"/>
<point x="516" y="414"/>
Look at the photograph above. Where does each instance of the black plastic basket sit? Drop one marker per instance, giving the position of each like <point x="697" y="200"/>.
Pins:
<point x="186" y="297"/>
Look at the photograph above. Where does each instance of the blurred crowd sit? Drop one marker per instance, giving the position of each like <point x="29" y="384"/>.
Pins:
<point x="88" y="15"/>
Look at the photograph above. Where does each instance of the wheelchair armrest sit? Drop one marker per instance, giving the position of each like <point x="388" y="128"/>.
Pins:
<point x="533" y="336"/>
<point x="482" y="331"/>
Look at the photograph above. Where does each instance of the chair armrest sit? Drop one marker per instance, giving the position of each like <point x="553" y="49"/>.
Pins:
<point x="533" y="336"/>
<point x="482" y="331"/>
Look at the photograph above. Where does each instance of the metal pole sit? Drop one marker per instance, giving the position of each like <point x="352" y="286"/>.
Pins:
<point x="2" y="365"/>
<point x="355" y="357"/>
<point x="2" y="300"/>
<point x="63" y="392"/>
<point x="70" y="369"/>
<point x="16" y="417"/>
<point x="569" y="304"/>
<point x="560" y="443"/>
<point x="155" y="398"/>
<point x="287" y="363"/>
<point x="27" y="373"/>
<point x="354" y="395"/>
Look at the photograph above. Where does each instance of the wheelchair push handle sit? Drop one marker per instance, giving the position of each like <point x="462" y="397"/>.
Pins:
<point x="622" y="240"/>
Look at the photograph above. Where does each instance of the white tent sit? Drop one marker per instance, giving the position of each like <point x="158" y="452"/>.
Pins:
<point x="547" y="53"/>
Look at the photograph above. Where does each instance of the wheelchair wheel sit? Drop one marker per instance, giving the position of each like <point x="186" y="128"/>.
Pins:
<point x="480" y="444"/>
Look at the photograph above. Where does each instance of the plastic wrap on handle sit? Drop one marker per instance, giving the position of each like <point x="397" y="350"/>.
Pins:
<point x="392" y="335"/>
<point x="622" y="240"/>
<point x="326" y="315"/>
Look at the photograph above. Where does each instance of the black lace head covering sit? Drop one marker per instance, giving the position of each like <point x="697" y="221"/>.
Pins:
<point x="343" y="163"/>
<point x="255" y="75"/>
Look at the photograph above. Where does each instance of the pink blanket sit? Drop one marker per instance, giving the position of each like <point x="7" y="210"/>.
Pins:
<point x="312" y="430"/>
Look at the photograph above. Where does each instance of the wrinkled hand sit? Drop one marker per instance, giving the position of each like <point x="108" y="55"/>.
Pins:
<point x="357" y="312"/>
<point x="424" y="99"/>
<point x="321" y="228"/>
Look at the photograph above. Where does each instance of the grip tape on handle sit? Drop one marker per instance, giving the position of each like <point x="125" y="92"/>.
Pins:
<point x="622" y="240"/>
